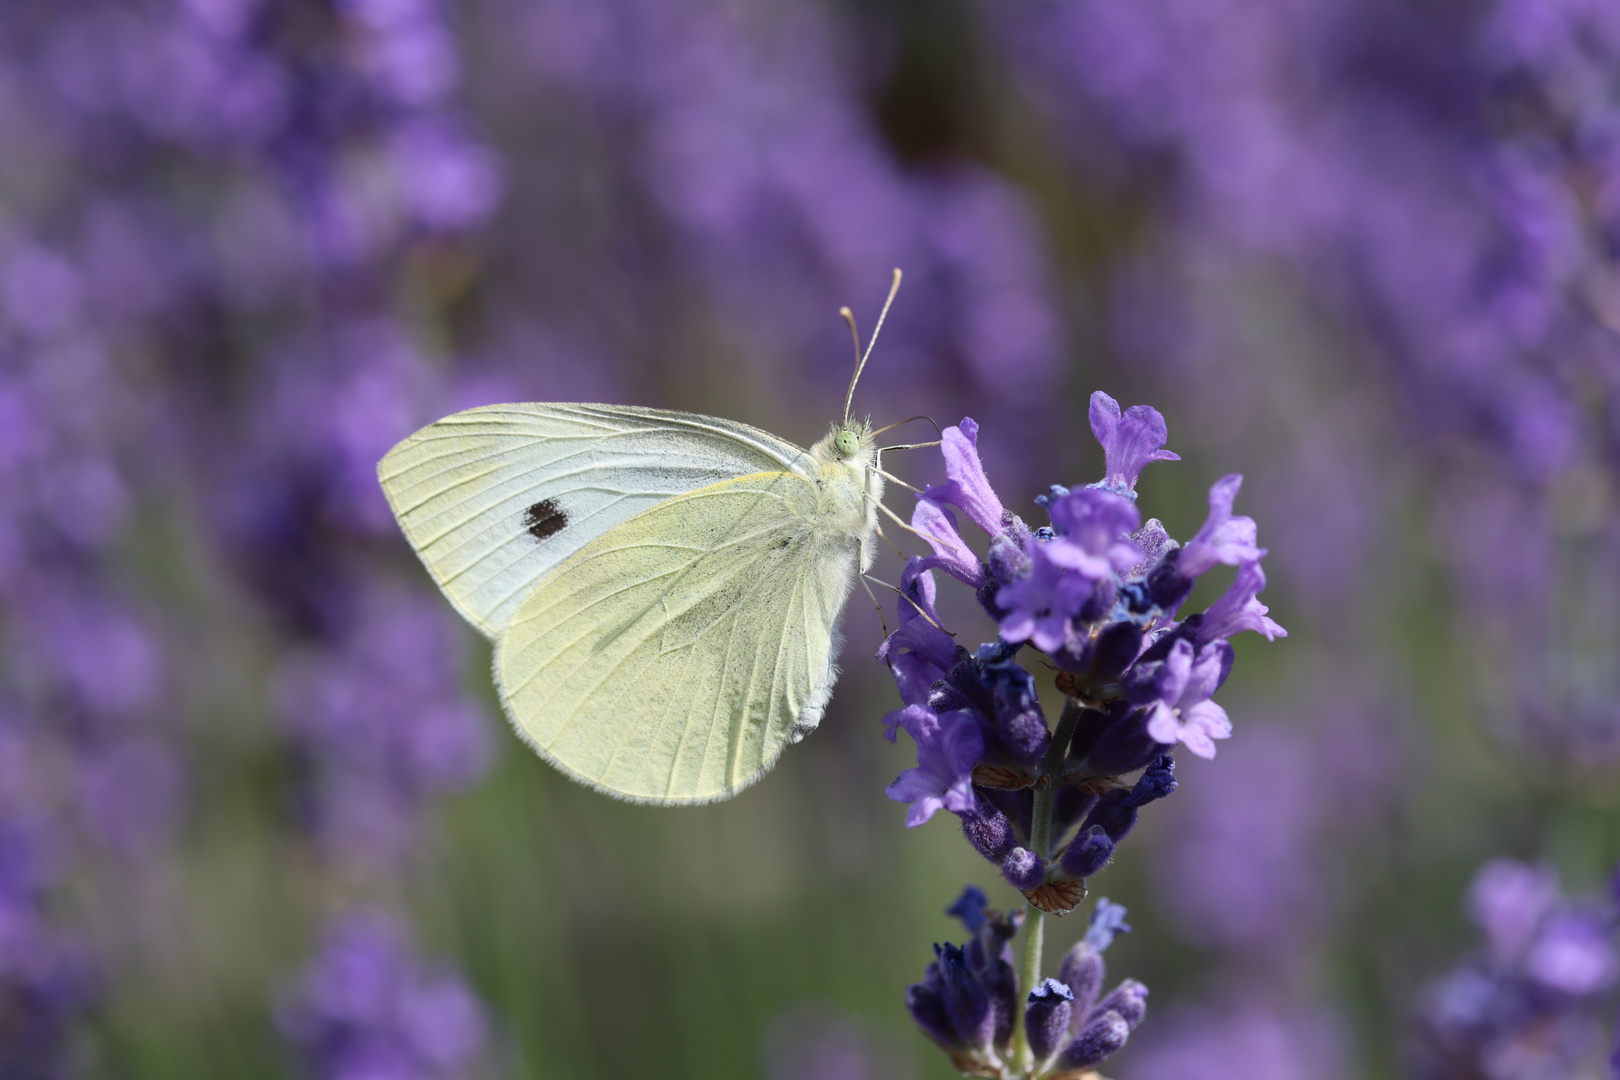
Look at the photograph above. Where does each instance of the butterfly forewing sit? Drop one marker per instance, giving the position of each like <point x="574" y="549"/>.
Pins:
<point x="674" y="656"/>
<point x="493" y="498"/>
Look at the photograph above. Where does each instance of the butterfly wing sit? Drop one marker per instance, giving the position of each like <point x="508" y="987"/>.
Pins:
<point x="495" y="497"/>
<point x="673" y="657"/>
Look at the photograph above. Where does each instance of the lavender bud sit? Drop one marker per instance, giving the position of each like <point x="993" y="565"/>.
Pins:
<point x="1099" y="603"/>
<point x="1023" y="869"/>
<point x="1083" y="971"/>
<point x="1091" y="725"/>
<point x="1002" y="983"/>
<point x="926" y="1004"/>
<point x="1124" y="747"/>
<point x="1115" y="650"/>
<point x="1087" y="853"/>
<point x="1046" y="1020"/>
<point x="989" y="831"/>
<point x="1007" y="559"/>
<point x="1167" y="586"/>
<point x="1158" y="781"/>
<point x="967" y="1000"/>
<point x="1099" y="1039"/>
<point x="969" y="907"/>
<point x="1114" y="813"/>
<point x="964" y="680"/>
<point x="1128" y="1001"/>
<point x="1018" y="806"/>
<point x="1069" y="805"/>
<point x="1020" y="723"/>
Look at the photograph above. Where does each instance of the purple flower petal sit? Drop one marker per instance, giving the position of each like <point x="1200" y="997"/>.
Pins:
<point x="1040" y="606"/>
<point x="1130" y="442"/>
<point x="1508" y="900"/>
<point x="1238" y="610"/>
<point x="967" y="488"/>
<point x="948" y="746"/>
<point x="1183" y="712"/>
<point x="919" y="653"/>
<point x="951" y="553"/>
<point x="1572" y="953"/>
<point x="1095" y="527"/>
<point x="1223" y="538"/>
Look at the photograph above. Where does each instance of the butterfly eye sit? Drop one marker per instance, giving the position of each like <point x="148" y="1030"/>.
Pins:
<point x="847" y="443"/>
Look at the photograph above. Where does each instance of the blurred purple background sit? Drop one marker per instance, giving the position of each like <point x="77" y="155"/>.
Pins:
<point x="258" y="813"/>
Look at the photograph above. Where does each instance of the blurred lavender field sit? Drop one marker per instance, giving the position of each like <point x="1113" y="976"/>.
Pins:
<point x="259" y="814"/>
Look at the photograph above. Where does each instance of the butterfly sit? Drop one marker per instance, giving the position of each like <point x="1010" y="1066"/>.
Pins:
<point x="664" y="589"/>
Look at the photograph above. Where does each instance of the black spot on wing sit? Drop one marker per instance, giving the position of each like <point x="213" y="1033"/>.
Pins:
<point x="545" y="518"/>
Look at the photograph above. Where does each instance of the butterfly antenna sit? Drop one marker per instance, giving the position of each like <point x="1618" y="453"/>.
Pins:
<point x="849" y="317"/>
<point x="860" y="365"/>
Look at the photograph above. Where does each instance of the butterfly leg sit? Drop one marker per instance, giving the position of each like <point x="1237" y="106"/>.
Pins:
<point x="918" y="608"/>
<point x="882" y="622"/>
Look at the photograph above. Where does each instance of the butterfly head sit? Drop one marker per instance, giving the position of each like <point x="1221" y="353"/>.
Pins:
<point x="850" y="442"/>
<point x="846" y="442"/>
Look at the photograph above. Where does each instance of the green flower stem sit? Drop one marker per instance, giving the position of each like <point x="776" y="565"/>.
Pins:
<point x="1034" y="931"/>
<point x="1040" y="842"/>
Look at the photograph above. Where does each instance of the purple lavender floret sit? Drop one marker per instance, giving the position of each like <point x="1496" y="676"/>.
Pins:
<point x="919" y="653"/>
<point x="1223" y="538"/>
<point x="1093" y="533"/>
<point x="1181" y="709"/>
<point x="966" y="485"/>
<point x="1531" y="1004"/>
<point x="1130" y="442"/>
<point x="1238" y="609"/>
<point x="948" y="745"/>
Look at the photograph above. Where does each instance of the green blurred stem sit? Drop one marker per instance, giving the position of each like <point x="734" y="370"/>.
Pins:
<point x="1040" y="842"/>
<point x="1034" y="931"/>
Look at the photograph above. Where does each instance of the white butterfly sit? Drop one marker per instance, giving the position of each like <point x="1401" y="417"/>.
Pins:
<point x="663" y="589"/>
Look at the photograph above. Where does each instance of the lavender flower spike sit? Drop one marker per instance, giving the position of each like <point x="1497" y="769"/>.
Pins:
<point x="1184" y="712"/>
<point x="948" y="747"/>
<point x="1223" y="538"/>
<point x="1130" y="442"/>
<point x="967" y="487"/>
<point x="1238" y="610"/>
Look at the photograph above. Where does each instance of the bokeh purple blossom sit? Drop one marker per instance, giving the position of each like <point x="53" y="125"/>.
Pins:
<point x="1534" y="1002"/>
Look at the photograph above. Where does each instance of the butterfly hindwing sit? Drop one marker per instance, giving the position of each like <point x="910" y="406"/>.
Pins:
<point x="494" y="498"/>
<point x="673" y="656"/>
